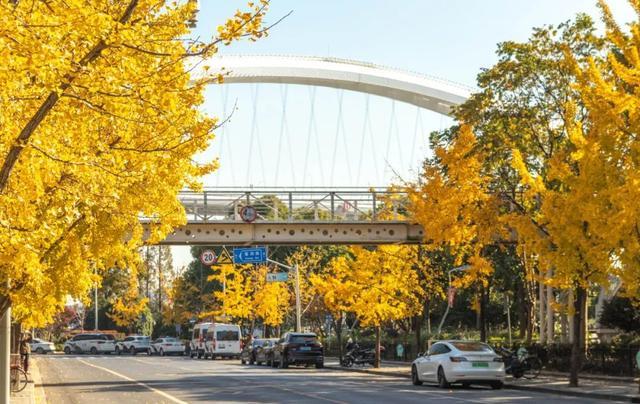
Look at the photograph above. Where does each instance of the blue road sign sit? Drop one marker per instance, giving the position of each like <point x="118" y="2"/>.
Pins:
<point x="253" y="255"/>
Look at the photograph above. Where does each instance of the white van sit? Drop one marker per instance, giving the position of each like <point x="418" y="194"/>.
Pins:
<point x="198" y="338"/>
<point x="211" y="340"/>
<point x="223" y="340"/>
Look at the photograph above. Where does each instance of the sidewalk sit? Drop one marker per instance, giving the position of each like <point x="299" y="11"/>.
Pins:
<point x="591" y="386"/>
<point x="33" y="393"/>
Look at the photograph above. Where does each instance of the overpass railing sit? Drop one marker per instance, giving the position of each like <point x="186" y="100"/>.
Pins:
<point x="297" y="204"/>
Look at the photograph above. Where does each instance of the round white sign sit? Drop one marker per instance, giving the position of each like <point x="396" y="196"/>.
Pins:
<point x="208" y="257"/>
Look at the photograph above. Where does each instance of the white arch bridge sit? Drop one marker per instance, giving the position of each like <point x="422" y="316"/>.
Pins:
<point x="313" y="215"/>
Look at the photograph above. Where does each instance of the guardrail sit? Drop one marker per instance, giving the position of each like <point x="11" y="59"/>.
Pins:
<point x="296" y="204"/>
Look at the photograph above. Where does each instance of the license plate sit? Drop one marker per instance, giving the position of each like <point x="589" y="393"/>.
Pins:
<point x="480" y="364"/>
<point x="305" y="348"/>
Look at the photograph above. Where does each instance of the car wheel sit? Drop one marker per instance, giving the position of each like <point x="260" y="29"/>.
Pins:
<point x="118" y="350"/>
<point x="67" y="350"/>
<point x="132" y="350"/>
<point x="39" y="350"/>
<point x="149" y="352"/>
<point x="442" y="379"/>
<point x="252" y="360"/>
<point x="258" y="363"/>
<point x="497" y="385"/>
<point x="415" y="379"/>
<point x="243" y="362"/>
<point x="93" y="350"/>
<point x="283" y="362"/>
<point x="161" y="352"/>
<point x="319" y="365"/>
<point x="466" y="385"/>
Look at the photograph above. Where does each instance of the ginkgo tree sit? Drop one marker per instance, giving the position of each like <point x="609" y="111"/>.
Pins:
<point x="99" y="127"/>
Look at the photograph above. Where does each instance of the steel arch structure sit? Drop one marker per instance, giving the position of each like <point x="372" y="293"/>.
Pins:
<point x="427" y="92"/>
<point x="424" y="91"/>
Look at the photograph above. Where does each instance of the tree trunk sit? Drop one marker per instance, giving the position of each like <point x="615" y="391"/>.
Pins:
<point x="483" y="313"/>
<point x="417" y="325"/>
<point x="550" y="313"/>
<point x="338" y="326"/>
<point x="523" y="319"/>
<point x="571" y="316"/>
<point x="160" y="282"/>
<point x="542" y="323"/>
<point x="377" y="362"/>
<point x="577" y="351"/>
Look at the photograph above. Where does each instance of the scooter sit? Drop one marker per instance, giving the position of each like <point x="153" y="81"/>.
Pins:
<point x="360" y="356"/>
<point x="520" y="364"/>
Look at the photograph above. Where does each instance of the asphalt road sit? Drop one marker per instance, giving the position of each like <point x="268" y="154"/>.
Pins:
<point x="143" y="379"/>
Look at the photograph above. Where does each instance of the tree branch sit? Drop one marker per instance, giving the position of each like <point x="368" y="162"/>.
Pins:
<point x="46" y="107"/>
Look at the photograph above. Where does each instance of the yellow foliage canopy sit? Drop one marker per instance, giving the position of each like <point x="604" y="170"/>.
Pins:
<point x="99" y="126"/>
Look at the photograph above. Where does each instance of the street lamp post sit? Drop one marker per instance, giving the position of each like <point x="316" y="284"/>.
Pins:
<point x="461" y="268"/>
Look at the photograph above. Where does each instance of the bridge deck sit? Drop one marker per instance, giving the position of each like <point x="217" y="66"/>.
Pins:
<point x="295" y="233"/>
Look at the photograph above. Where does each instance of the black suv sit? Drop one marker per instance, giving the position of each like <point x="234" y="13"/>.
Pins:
<point x="298" y="349"/>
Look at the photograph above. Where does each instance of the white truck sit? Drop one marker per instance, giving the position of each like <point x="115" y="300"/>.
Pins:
<point x="212" y="340"/>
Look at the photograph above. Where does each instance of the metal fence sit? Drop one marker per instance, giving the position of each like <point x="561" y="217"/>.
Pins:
<point x="296" y="204"/>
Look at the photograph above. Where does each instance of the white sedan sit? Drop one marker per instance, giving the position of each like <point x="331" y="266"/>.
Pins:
<point x="466" y="362"/>
<point x="41" y="346"/>
<point x="166" y="346"/>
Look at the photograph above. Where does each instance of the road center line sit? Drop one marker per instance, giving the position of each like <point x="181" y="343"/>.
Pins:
<point x="160" y="392"/>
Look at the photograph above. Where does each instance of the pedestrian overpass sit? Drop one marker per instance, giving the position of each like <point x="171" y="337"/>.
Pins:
<point x="287" y="216"/>
<point x="296" y="216"/>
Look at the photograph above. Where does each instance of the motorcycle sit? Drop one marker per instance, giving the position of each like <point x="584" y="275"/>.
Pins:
<point x="520" y="364"/>
<point x="360" y="356"/>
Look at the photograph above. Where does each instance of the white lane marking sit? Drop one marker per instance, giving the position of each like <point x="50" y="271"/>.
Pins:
<point x="160" y="392"/>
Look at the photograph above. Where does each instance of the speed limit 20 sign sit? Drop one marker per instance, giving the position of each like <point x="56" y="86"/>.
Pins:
<point x="208" y="257"/>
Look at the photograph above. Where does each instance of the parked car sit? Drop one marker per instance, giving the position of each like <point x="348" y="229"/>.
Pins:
<point x="93" y="343"/>
<point x="133" y="344"/>
<point x="264" y="353"/>
<point x="466" y="362"/>
<point x="166" y="346"/>
<point x="41" y="346"/>
<point x="298" y="349"/>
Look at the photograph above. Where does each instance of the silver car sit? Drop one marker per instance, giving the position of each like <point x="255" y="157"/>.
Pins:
<point x="465" y="362"/>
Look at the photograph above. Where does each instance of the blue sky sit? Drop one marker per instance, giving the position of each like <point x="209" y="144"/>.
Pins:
<point x="451" y="39"/>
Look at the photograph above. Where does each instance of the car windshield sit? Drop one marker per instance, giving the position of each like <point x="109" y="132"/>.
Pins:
<point x="472" y="347"/>
<point x="303" y="339"/>
<point x="169" y="340"/>
<point x="109" y="337"/>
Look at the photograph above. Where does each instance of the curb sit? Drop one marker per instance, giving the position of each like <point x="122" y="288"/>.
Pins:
<point x="510" y="386"/>
<point x="39" y="395"/>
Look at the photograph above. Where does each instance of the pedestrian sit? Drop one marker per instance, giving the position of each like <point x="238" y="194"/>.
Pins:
<point x="400" y="351"/>
<point x="350" y="344"/>
<point x="25" y="351"/>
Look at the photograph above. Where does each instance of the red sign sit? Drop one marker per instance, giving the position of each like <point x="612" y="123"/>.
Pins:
<point x="248" y="213"/>
<point x="208" y="257"/>
<point x="451" y="295"/>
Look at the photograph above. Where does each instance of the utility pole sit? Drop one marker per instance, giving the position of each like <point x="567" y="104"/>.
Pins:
<point x="298" y="314"/>
<point x="297" y="290"/>
<point x="95" y="301"/>
<point x="5" y="355"/>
